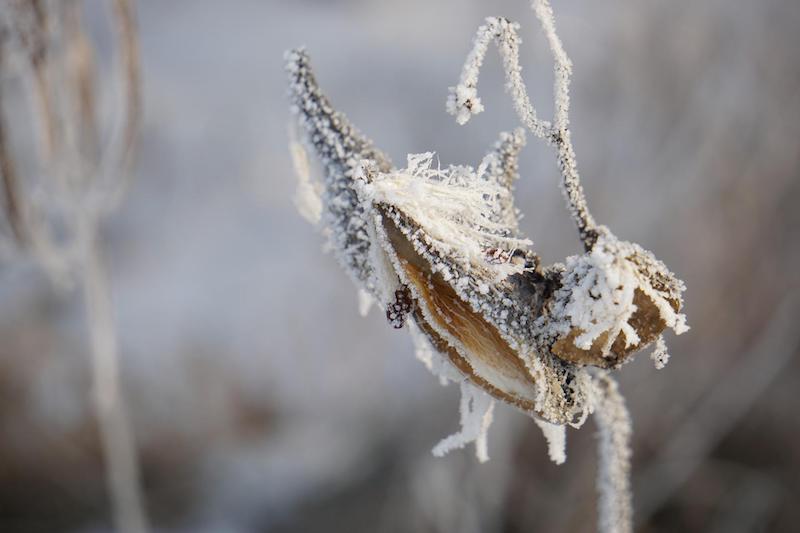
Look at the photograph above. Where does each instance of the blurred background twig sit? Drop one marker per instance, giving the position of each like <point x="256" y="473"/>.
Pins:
<point x="55" y="215"/>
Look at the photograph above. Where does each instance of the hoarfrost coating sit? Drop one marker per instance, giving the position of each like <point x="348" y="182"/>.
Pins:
<point x="441" y="251"/>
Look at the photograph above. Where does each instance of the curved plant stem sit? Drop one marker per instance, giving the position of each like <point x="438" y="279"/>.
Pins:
<point x="119" y="450"/>
<point x="615" y="507"/>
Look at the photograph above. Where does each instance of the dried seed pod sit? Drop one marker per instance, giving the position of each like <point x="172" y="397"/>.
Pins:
<point x="468" y="340"/>
<point x="613" y="301"/>
<point x="445" y="246"/>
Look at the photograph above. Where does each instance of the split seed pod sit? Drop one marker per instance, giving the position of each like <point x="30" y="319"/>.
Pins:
<point x="442" y="247"/>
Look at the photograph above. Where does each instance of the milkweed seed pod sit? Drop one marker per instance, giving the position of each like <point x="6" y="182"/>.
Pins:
<point x="441" y="251"/>
<point x="450" y="240"/>
<point x="613" y="301"/>
<point x="443" y="248"/>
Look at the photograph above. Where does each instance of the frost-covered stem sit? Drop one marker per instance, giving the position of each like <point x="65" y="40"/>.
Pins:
<point x="562" y="64"/>
<point x="615" y="507"/>
<point x="561" y="135"/>
<point x="116" y="437"/>
<point x="573" y="190"/>
<point x="463" y="102"/>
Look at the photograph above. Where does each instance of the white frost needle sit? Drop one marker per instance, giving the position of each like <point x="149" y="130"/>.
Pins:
<point x="452" y="206"/>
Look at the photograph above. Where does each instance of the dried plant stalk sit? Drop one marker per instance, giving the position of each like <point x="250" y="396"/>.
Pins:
<point x="463" y="102"/>
<point x="82" y="182"/>
<point x="614" y="466"/>
<point x="119" y="449"/>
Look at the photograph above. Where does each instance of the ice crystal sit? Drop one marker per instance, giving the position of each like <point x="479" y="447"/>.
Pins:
<point x="660" y="356"/>
<point x="460" y="211"/>
<point x="476" y="409"/>
<point x="556" y="436"/>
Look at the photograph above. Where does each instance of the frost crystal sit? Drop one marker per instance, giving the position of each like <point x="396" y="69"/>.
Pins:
<point x="556" y="437"/>
<point x="458" y="209"/>
<point x="476" y="409"/>
<point x="660" y="356"/>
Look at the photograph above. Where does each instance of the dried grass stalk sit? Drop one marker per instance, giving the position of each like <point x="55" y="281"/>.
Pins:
<point x="81" y="181"/>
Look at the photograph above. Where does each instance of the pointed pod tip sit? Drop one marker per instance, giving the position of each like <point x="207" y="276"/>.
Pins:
<point x="295" y="57"/>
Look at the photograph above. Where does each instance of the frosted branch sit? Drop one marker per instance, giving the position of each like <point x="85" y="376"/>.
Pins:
<point x="463" y="102"/>
<point x="562" y="63"/>
<point x="614" y="452"/>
